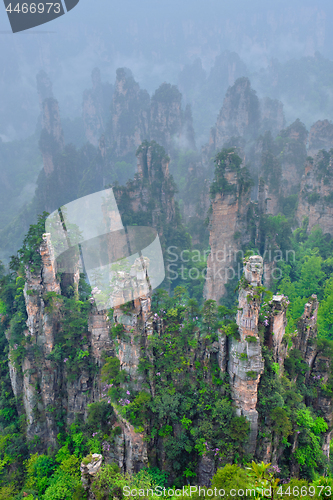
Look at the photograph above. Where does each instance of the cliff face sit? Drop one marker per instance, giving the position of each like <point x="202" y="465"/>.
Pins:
<point x="52" y="138"/>
<point x="269" y="446"/>
<point x="318" y="358"/>
<point x="276" y="329"/>
<point x="38" y="378"/>
<point x="96" y="108"/>
<point x="293" y="157"/>
<point x="320" y="137"/>
<point x="44" y="88"/>
<point x="239" y="116"/>
<point x="272" y="116"/>
<point x="150" y="197"/>
<point x="135" y="118"/>
<point x="228" y="67"/>
<point x="170" y="126"/>
<point x="49" y="389"/>
<point x="129" y="115"/>
<point x="315" y="199"/>
<point x="245" y="360"/>
<point x="228" y="230"/>
<point x="279" y="165"/>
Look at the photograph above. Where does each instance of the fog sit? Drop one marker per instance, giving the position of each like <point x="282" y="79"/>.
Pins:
<point x="154" y="39"/>
<point x="285" y="48"/>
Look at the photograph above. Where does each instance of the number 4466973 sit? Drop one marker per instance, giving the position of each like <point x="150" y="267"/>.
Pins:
<point x="34" y="8"/>
<point x="297" y="491"/>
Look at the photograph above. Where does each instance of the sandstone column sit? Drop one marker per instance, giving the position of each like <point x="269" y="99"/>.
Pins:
<point x="245" y="356"/>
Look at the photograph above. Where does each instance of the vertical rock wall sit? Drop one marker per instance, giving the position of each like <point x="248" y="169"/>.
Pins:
<point x="245" y="358"/>
<point x="96" y="108"/>
<point x="239" y="115"/>
<point x="52" y="137"/>
<point x="320" y="137"/>
<point x="315" y="198"/>
<point x="130" y="114"/>
<point x="228" y="231"/>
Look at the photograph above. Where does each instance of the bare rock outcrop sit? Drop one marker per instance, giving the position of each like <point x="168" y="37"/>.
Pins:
<point x="96" y="108"/>
<point x="245" y="358"/>
<point x="169" y="125"/>
<point x="315" y="199"/>
<point x="277" y="326"/>
<point x="89" y="468"/>
<point x="320" y="137"/>
<point x="228" y="229"/>
<point x="38" y="378"/>
<point x="293" y="157"/>
<point x="152" y="192"/>
<point x="52" y="138"/>
<point x="133" y="455"/>
<point x="318" y="357"/>
<point x="272" y="116"/>
<point x="239" y="115"/>
<point x="44" y="88"/>
<point x="130" y="114"/>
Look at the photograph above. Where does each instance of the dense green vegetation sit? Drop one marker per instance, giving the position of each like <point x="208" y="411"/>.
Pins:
<point x="182" y="405"/>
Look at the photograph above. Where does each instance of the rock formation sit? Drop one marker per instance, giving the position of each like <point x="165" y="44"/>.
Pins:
<point x="269" y="447"/>
<point x="228" y="67"/>
<point x="239" y="116"/>
<point x="272" y="116"/>
<point x="319" y="359"/>
<point x="170" y="126"/>
<point x="245" y="359"/>
<point x="277" y="322"/>
<point x="293" y="157"/>
<point x="48" y="389"/>
<point x="136" y="118"/>
<point x="96" y="108"/>
<point x="132" y="453"/>
<point x="89" y="468"/>
<point x="228" y="229"/>
<point x="315" y="198"/>
<point x="130" y="114"/>
<point x="151" y="193"/>
<point x="52" y="138"/>
<point x="39" y="379"/>
<point x="320" y="137"/>
<point x="279" y="167"/>
<point x="44" y="88"/>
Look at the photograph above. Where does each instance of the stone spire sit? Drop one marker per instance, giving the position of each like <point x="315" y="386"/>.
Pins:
<point x="245" y="357"/>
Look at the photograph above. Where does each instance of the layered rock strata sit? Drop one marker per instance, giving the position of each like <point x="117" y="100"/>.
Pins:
<point x="46" y="387"/>
<point x="319" y="360"/>
<point x="89" y="468"/>
<point x="136" y="118"/>
<point x="245" y="358"/>
<point x="293" y="158"/>
<point x="320" y="137"/>
<point x="44" y="88"/>
<point x="272" y="116"/>
<point x="52" y="138"/>
<point x="169" y="125"/>
<point x="315" y="199"/>
<point x="38" y="379"/>
<point x="228" y="231"/>
<point x="276" y="329"/>
<point x="239" y="115"/>
<point x="96" y="108"/>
